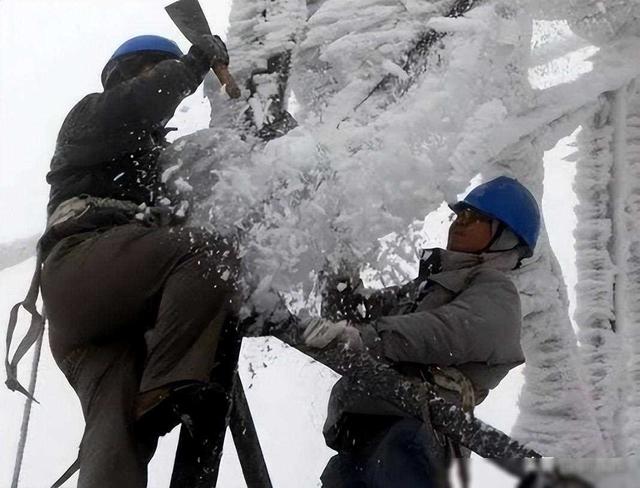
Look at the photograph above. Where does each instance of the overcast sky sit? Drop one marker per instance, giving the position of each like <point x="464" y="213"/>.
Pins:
<point x="51" y="55"/>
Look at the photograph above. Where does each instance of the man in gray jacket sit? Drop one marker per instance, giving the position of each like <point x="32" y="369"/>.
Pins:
<point x="456" y="326"/>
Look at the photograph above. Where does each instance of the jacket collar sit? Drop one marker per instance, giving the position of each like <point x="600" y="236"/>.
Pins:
<point x="451" y="269"/>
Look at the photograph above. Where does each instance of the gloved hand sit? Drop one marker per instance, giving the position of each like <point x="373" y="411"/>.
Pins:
<point x="157" y="216"/>
<point x="319" y="333"/>
<point x="341" y="298"/>
<point x="214" y="49"/>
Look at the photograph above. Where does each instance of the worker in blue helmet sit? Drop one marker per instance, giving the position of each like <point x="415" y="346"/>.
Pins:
<point x="137" y="53"/>
<point x="511" y="207"/>
<point x="456" y="326"/>
<point x="139" y="306"/>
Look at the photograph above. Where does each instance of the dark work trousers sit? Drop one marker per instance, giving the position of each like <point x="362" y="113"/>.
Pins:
<point x="399" y="456"/>
<point x="132" y="308"/>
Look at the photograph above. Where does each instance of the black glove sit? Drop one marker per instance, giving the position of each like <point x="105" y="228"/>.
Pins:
<point x="340" y="298"/>
<point x="214" y="50"/>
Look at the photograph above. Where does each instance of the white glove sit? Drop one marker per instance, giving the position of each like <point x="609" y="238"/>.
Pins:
<point x="319" y="333"/>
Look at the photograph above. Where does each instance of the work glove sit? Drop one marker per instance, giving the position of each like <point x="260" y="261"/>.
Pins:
<point x="159" y="216"/>
<point x="319" y="333"/>
<point x="341" y="298"/>
<point x="214" y="50"/>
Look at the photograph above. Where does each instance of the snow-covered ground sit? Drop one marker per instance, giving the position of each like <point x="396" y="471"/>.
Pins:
<point x="45" y="67"/>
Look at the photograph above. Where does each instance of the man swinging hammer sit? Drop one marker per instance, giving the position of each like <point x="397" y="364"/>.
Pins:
<point x="140" y="307"/>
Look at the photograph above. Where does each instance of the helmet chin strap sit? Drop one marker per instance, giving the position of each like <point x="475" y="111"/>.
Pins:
<point x="497" y="228"/>
<point x="501" y="233"/>
<point x="506" y="240"/>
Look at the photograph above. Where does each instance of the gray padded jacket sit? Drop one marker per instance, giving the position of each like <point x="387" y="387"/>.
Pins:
<point x="463" y="312"/>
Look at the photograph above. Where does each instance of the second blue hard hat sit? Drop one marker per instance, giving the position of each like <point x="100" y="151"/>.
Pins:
<point x="507" y="200"/>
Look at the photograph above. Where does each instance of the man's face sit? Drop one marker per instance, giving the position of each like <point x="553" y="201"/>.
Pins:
<point x="469" y="232"/>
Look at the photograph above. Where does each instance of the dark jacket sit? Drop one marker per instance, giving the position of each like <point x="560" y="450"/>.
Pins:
<point x="109" y="143"/>
<point x="462" y="311"/>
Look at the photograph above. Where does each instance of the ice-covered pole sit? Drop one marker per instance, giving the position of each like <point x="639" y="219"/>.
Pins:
<point x="377" y="379"/>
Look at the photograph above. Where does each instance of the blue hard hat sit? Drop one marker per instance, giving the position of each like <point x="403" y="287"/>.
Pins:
<point x="506" y="200"/>
<point x="148" y="43"/>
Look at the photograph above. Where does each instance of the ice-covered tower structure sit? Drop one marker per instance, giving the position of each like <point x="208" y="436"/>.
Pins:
<point x="607" y="235"/>
<point x="400" y="104"/>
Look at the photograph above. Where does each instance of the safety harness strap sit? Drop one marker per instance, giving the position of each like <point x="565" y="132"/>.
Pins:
<point x="36" y="329"/>
<point x="67" y="474"/>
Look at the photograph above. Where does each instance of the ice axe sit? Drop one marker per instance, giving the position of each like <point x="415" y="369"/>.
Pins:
<point x="190" y="19"/>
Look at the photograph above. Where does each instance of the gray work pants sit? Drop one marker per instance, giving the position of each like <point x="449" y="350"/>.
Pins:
<point x="132" y="308"/>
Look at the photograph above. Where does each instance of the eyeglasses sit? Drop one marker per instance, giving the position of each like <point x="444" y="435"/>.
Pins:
<point x="468" y="216"/>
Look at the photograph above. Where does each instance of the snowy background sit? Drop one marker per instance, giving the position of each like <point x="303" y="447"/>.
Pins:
<point x="51" y="54"/>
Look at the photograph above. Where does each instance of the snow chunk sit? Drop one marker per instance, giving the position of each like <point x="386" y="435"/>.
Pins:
<point x="456" y="25"/>
<point x="394" y="69"/>
<point x="167" y="173"/>
<point x="182" y="186"/>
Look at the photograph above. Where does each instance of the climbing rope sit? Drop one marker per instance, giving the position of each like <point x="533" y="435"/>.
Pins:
<point x="26" y="414"/>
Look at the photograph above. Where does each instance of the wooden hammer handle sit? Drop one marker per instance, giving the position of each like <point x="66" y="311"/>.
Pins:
<point x="230" y="86"/>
